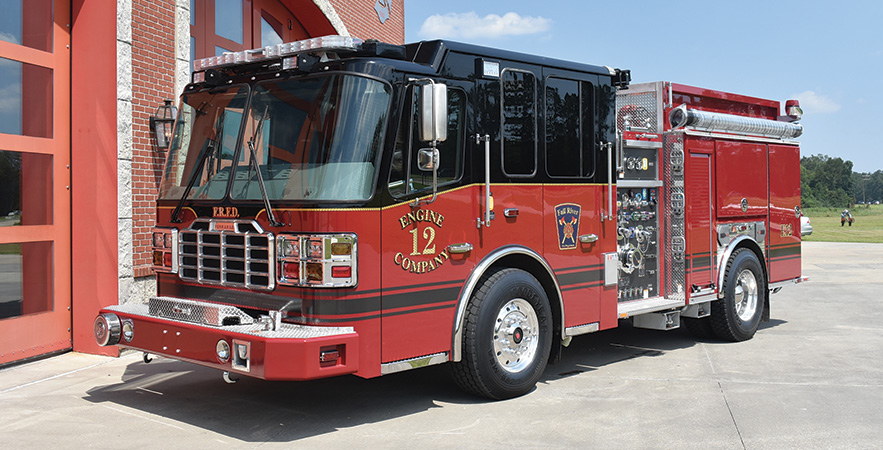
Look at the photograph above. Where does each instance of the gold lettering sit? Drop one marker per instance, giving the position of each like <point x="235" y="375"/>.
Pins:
<point x="228" y="212"/>
<point x="442" y="257"/>
<point x="434" y="261"/>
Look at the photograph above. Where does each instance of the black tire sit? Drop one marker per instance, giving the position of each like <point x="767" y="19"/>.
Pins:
<point x="501" y="363"/>
<point x="699" y="328"/>
<point x="737" y="316"/>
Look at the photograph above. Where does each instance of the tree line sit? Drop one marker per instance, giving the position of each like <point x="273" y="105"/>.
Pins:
<point x="831" y="182"/>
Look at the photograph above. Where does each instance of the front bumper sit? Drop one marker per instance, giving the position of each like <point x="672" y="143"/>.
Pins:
<point x="190" y="331"/>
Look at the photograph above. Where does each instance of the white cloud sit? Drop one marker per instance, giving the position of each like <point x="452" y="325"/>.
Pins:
<point x="811" y="103"/>
<point x="8" y="37"/>
<point x="10" y="99"/>
<point x="469" y="25"/>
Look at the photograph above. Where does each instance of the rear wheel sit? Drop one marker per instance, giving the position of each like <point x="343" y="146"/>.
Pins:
<point x="737" y="316"/>
<point x="699" y="328"/>
<point x="507" y="336"/>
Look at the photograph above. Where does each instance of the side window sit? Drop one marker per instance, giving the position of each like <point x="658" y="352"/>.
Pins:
<point x="405" y="177"/>
<point x="519" y="100"/>
<point x="570" y="125"/>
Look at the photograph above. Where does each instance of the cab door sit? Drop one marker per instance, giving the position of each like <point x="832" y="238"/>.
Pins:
<point x="573" y="197"/>
<point x="426" y="257"/>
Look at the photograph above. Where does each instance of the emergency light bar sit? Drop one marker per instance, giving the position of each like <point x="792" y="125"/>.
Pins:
<point x="319" y="44"/>
<point x="711" y="121"/>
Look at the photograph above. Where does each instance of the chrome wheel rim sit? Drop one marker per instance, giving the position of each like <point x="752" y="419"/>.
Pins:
<point x="746" y="295"/>
<point x="516" y="335"/>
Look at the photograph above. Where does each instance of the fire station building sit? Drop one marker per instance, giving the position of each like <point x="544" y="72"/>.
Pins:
<point x="82" y="90"/>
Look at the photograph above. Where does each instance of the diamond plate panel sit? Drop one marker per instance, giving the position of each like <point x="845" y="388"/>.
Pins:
<point x="636" y="111"/>
<point x="673" y="210"/>
<point x="196" y="312"/>
<point x="285" y="331"/>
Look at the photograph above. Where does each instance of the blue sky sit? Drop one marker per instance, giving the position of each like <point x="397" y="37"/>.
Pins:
<point x="829" y="55"/>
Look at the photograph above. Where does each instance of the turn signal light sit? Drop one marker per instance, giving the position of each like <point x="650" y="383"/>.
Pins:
<point x="291" y="270"/>
<point x="341" y="248"/>
<point x="341" y="271"/>
<point x="165" y="249"/>
<point x="317" y="260"/>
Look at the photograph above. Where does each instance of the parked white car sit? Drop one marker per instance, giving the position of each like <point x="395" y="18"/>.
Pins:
<point x="805" y="226"/>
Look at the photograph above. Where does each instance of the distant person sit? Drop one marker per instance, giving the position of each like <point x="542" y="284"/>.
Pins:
<point x="846" y="216"/>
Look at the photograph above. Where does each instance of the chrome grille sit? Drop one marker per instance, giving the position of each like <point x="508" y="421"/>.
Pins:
<point x="227" y="253"/>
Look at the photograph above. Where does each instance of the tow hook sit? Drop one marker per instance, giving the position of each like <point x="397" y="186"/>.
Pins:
<point x="229" y="379"/>
<point x="146" y="357"/>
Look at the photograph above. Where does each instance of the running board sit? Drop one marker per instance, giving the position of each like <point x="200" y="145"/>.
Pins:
<point x="637" y="307"/>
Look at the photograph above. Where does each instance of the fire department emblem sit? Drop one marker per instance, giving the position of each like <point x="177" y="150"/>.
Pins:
<point x="567" y="221"/>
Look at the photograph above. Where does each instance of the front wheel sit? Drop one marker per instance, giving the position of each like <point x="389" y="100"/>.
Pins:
<point x="507" y="336"/>
<point x="737" y="316"/>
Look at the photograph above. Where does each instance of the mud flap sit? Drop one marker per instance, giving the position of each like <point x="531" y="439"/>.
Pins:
<point x="765" y="316"/>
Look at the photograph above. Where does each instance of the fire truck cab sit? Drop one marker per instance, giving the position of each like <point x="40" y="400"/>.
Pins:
<point x="332" y="206"/>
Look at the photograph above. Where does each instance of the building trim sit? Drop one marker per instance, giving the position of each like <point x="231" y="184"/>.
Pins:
<point x="331" y="14"/>
<point x="125" y="143"/>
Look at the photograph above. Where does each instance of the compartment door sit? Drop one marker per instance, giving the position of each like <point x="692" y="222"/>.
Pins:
<point x="784" y="236"/>
<point x="699" y="209"/>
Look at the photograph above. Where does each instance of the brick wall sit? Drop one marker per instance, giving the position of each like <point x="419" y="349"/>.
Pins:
<point x="153" y="80"/>
<point x="362" y="21"/>
<point x="153" y="73"/>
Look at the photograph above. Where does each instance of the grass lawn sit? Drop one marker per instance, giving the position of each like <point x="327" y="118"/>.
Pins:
<point x="10" y="249"/>
<point x="868" y="225"/>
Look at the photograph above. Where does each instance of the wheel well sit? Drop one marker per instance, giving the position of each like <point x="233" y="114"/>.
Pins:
<point x="535" y="268"/>
<point x="752" y="245"/>
<point x="516" y="257"/>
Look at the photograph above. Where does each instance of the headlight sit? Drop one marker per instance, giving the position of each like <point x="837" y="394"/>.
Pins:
<point x="128" y="330"/>
<point x="107" y="329"/>
<point x="223" y="351"/>
<point x="317" y="260"/>
<point x="165" y="250"/>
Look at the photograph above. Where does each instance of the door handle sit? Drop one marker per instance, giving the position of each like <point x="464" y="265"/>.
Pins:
<point x="463" y="247"/>
<point x="588" y="238"/>
<point x="510" y="212"/>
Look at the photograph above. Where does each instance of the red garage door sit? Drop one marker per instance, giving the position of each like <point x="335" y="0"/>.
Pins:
<point x="35" y="215"/>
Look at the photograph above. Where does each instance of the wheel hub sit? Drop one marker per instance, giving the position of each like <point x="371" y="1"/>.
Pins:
<point x="746" y="295"/>
<point x="516" y="335"/>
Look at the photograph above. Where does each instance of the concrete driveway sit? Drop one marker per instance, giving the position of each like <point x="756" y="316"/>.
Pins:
<point x="811" y="378"/>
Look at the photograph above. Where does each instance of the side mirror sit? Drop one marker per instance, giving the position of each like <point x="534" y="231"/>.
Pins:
<point x="427" y="159"/>
<point x="433" y="109"/>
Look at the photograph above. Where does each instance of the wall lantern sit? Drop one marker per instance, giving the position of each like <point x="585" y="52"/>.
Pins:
<point x="162" y="122"/>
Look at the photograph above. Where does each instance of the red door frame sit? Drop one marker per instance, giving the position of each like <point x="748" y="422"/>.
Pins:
<point x="95" y="168"/>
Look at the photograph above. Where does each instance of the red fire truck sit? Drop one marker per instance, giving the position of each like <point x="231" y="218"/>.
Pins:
<point x="333" y="206"/>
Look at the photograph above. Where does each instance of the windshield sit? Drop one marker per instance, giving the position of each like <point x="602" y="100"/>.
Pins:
<point x="208" y="122"/>
<point x="314" y="139"/>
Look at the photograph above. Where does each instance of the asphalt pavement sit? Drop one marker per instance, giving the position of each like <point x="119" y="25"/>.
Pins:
<point x="811" y="378"/>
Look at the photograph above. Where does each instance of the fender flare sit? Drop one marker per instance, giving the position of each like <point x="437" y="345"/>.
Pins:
<point x="727" y="252"/>
<point x="469" y="287"/>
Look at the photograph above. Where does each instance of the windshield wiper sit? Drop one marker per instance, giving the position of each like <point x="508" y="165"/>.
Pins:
<point x="197" y="169"/>
<point x="257" y="168"/>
